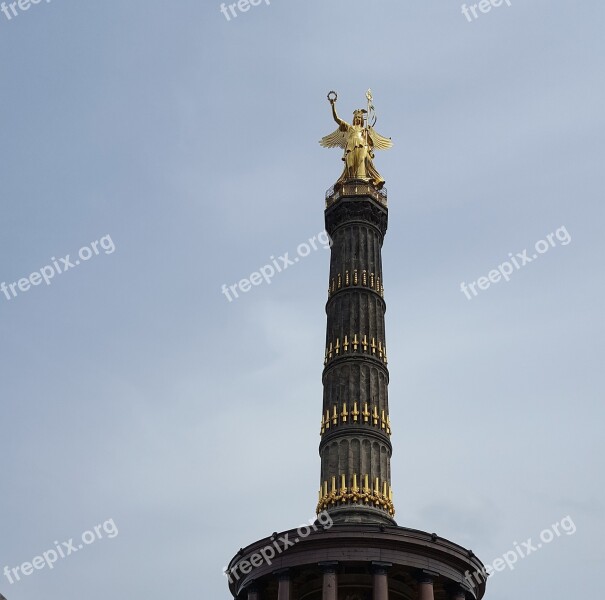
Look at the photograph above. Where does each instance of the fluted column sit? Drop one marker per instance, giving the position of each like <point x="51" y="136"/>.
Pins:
<point x="381" y="580"/>
<point x="355" y="447"/>
<point x="330" y="581"/>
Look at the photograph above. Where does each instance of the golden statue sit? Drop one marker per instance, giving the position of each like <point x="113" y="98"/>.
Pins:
<point x="359" y="142"/>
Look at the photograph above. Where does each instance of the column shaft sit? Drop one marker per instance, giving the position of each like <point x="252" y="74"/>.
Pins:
<point x="284" y="588"/>
<point x="425" y="590"/>
<point x="330" y="586"/>
<point x="381" y="586"/>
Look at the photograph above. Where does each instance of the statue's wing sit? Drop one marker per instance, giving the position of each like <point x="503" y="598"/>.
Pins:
<point x="336" y="139"/>
<point x="380" y="142"/>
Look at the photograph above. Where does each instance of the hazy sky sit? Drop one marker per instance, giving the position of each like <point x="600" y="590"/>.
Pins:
<point x="132" y="390"/>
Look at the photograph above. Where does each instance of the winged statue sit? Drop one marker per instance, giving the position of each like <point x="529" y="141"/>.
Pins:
<point x="358" y="141"/>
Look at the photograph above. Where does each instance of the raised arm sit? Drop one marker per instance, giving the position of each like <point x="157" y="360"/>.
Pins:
<point x="340" y="122"/>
